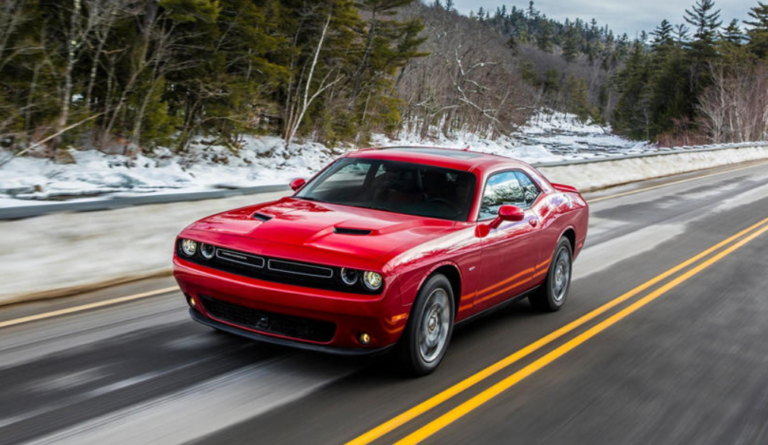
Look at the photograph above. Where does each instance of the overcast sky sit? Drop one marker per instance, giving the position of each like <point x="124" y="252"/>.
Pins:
<point x="621" y="15"/>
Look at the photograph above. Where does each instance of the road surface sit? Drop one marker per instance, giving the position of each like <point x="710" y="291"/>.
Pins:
<point x="663" y="340"/>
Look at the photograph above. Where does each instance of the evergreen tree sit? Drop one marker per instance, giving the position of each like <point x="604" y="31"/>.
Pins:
<point x="577" y="98"/>
<point x="571" y="44"/>
<point x="732" y="33"/>
<point x="662" y="35"/>
<point x="544" y="39"/>
<point x="532" y="12"/>
<point x="758" y="31"/>
<point x="632" y="115"/>
<point x="702" y="49"/>
<point x="706" y="22"/>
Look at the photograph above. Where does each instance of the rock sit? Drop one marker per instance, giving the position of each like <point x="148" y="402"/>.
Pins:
<point x="64" y="156"/>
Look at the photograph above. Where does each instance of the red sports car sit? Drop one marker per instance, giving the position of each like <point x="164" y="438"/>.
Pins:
<point x="385" y="247"/>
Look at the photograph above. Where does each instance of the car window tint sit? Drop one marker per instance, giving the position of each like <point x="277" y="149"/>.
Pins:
<point x="507" y="188"/>
<point x="401" y="187"/>
<point x="350" y="175"/>
<point x="530" y="189"/>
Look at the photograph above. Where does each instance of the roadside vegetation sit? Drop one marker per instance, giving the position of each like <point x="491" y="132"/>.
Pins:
<point x="130" y="76"/>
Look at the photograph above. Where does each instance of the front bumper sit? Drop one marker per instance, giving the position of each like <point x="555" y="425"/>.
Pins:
<point x="200" y="318"/>
<point x="382" y="317"/>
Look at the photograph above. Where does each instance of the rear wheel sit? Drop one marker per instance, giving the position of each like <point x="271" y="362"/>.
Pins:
<point x="552" y="295"/>
<point x="429" y="328"/>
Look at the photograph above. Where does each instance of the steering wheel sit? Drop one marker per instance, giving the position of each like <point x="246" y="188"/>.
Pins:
<point x="446" y="203"/>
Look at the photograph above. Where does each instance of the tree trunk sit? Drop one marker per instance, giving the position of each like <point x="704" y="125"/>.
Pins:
<point x="295" y="127"/>
<point x="66" y="96"/>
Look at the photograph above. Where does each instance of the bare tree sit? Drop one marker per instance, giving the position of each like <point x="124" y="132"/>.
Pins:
<point x="468" y="84"/>
<point x="299" y="110"/>
<point x="103" y="14"/>
<point x="11" y="17"/>
<point x="735" y="107"/>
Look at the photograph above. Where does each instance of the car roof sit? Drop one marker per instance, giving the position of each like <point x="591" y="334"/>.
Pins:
<point x="440" y="157"/>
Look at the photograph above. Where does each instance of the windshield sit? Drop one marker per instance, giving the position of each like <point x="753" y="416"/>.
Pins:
<point x="401" y="187"/>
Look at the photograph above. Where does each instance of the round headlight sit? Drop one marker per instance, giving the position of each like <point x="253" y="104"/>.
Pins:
<point x="349" y="276"/>
<point x="207" y="251"/>
<point x="188" y="247"/>
<point x="372" y="280"/>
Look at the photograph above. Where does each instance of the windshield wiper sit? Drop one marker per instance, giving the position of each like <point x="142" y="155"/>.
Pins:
<point x="308" y="198"/>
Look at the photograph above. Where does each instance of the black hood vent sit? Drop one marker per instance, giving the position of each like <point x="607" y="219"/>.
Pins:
<point x="347" y="231"/>
<point x="262" y="217"/>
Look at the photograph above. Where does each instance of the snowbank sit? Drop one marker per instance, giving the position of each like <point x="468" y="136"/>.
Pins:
<point x="598" y="175"/>
<point x="267" y="161"/>
<point x="260" y="161"/>
<point x="54" y="253"/>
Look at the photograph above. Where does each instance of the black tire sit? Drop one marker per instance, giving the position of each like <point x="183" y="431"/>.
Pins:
<point x="551" y="296"/>
<point x="435" y="302"/>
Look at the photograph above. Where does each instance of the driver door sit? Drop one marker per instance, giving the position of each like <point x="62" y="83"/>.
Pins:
<point x="510" y="252"/>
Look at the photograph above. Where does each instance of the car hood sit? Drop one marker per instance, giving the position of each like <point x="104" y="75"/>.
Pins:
<point x="339" y="230"/>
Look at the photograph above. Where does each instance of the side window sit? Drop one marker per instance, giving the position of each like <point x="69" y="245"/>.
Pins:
<point x="530" y="190"/>
<point x="507" y="188"/>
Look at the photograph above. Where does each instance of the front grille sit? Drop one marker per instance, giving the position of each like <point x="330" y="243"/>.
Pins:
<point x="285" y="325"/>
<point x="240" y="258"/>
<point x="306" y="270"/>
<point x="277" y="270"/>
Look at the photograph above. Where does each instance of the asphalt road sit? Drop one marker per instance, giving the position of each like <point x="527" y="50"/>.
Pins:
<point x="682" y="360"/>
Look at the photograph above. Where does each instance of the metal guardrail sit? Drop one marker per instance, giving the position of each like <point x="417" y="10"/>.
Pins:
<point x="29" y="211"/>
<point x="660" y="152"/>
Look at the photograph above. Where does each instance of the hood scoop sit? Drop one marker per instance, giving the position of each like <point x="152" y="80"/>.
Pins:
<point x="353" y="232"/>
<point x="262" y="216"/>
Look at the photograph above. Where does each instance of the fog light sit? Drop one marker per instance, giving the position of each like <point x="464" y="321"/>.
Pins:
<point x="364" y="338"/>
<point x="192" y="302"/>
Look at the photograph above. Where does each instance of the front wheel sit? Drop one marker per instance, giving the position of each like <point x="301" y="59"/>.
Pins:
<point x="551" y="296"/>
<point x="429" y="328"/>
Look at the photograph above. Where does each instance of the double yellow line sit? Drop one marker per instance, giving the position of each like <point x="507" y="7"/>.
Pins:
<point x="728" y="246"/>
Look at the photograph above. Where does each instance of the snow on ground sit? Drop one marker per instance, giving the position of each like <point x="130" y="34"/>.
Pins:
<point x="548" y="137"/>
<point x="599" y="175"/>
<point x="261" y="161"/>
<point x="67" y="250"/>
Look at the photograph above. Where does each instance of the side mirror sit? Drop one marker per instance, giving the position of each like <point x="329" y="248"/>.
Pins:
<point x="508" y="213"/>
<point x="297" y="184"/>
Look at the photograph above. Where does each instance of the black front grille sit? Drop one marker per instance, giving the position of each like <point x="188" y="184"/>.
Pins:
<point x="277" y="270"/>
<point x="242" y="259"/>
<point x="285" y="325"/>
<point x="306" y="270"/>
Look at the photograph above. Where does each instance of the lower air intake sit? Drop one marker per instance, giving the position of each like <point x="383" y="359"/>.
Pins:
<point x="285" y="325"/>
